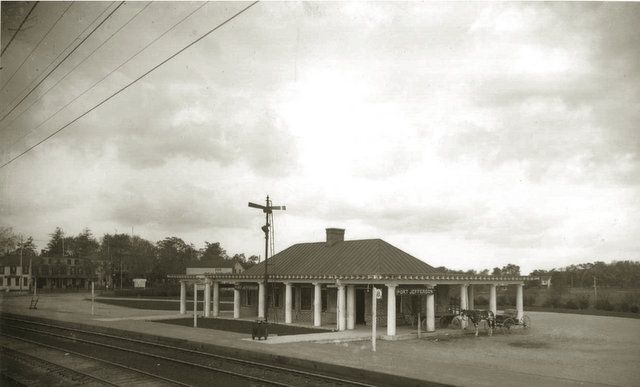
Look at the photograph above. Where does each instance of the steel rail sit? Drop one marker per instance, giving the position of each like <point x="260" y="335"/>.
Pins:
<point x="50" y="362"/>
<point x="227" y="358"/>
<point x="190" y="364"/>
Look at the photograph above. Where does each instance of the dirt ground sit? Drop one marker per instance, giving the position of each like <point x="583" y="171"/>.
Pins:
<point x="559" y="349"/>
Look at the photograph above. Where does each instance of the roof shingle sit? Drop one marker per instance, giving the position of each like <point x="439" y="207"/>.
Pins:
<point x="362" y="257"/>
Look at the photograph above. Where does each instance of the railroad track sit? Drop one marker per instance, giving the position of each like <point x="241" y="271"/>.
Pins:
<point x="170" y="364"/>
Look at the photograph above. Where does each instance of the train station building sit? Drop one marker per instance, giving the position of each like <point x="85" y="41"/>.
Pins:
<point x="334" y="283"/>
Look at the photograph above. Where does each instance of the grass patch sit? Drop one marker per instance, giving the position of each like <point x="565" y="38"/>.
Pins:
<point x="242" y="326"/>
<point x="590" y="312"/>
<point x="159" y="304"/>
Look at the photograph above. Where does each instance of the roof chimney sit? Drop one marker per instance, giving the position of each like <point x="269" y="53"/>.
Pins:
<point x="334" y="235"/>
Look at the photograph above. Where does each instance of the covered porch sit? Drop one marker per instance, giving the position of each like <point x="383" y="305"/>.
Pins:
<point x="347" y="302"/>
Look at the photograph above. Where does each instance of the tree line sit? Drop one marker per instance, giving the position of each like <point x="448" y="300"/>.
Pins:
<point x="153" y="261"/>
<point x="623" y="274"/>
<point x="123" y="253"/>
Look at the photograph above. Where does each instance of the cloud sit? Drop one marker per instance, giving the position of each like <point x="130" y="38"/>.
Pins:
<point x="465" y="132"/>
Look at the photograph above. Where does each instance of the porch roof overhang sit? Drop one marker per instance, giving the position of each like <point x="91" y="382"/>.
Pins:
<point x="443" y="278"/>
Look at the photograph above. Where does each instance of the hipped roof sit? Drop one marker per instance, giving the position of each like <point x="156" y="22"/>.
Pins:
<point x="355" y="257"/>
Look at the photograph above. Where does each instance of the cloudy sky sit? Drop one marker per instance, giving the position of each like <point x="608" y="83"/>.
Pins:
<point x="470" y="135"/>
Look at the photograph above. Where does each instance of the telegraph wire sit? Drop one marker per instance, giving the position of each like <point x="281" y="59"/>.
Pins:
<point x="132" y="82"/>
<point x="109" y="74"/>
<point x="75" y="67"/>
<point x="19" y="28"/>
<point x="63" y="59"/>
<point x="61" y="53"/>
<point x="37" y="45"/>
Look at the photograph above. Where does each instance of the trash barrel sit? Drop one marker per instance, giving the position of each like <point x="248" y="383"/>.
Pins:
<point x="260" y="329"/>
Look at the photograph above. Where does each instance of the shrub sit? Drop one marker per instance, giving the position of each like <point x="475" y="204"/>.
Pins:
<point x="529" y="300"/>
<point x="553" y="301"/>
<point x="570" y="304"/>
<point x="506" y="299"/>
<point x="634" y="309"/>
<point x="624" y="306"/>
<point x="628" y="302"/>
<point x="583" y="301"/>
<point x="604" y="304"/>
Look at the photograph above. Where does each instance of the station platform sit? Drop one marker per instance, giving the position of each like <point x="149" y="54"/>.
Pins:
<point x="442" y="357"/>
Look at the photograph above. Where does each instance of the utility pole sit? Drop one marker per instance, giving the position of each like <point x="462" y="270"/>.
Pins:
<point x="21" y="267"/>
<point x="268" y="211"/>
<point x="595" y="290"/>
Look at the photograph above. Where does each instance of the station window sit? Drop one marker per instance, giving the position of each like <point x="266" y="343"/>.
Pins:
<point x="324" y="300"/>
<point x="25" y="269"/>
<point x="275" y="301"/>
<point x="68" y="262"/>
<point x="12" y="270"/>
<point x="306" y="298"/>
<point x="249" y="295"/>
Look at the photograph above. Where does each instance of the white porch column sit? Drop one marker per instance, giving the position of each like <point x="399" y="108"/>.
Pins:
<point x="287" y="303"/>
<point x="391" y="309"/>
<point x="261" y="295"/>
<point x="236" y="302"/>
<point x="470" y="303"/>
<point x="463" y="297"/>
<point x="207" y="299"/>
<point x="519" y="301"/>
<point x="183" y="297"/>
<point x="431" y="313"/>
<point x="351" y="307"/>
<point x="195" y="304"/>
<point x="216" y="299"/>
<point x="493" y="305"/>
<point x="317" y="304"/>
<point x="341" y="308"/>
<point x="463" y="303"/>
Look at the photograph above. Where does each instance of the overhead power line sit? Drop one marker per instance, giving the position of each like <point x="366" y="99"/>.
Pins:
<point x="19" y="28"/>
<point x="42" y="95"/>
<point x="109" y="74"/>
<point x="132" y="82"/>
<point x="37" y="45"/>
<point x="65" y="58"/>
<point x="61" y="53"/>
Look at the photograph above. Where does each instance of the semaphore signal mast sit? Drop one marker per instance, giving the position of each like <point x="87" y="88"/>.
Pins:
<point x="268" y="210"/>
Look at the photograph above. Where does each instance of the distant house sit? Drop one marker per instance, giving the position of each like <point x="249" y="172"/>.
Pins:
<point x="226" y="267"/>
<point x="545" y="280"/>
<point x="63" y="272"/>
<point x="14" y="276"/>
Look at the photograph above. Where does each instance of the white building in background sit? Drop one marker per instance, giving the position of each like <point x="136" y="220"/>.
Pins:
<point x="13" y="276"/>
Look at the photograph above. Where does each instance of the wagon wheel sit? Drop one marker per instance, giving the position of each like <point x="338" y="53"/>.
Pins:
<point x="508" y="323"/>
<point x="457" y="322"/>
<point x="445" y="321"/>
<point x="526" y="321"/>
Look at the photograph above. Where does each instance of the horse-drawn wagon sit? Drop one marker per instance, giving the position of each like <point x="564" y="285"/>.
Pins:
<point x="509" y="318"/>
<point x="455" y="318"/>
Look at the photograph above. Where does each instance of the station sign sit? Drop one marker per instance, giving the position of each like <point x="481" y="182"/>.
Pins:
<point x="413" y="291"/>
<point x="246" y="287"/>
<point x="378" y="294"/>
